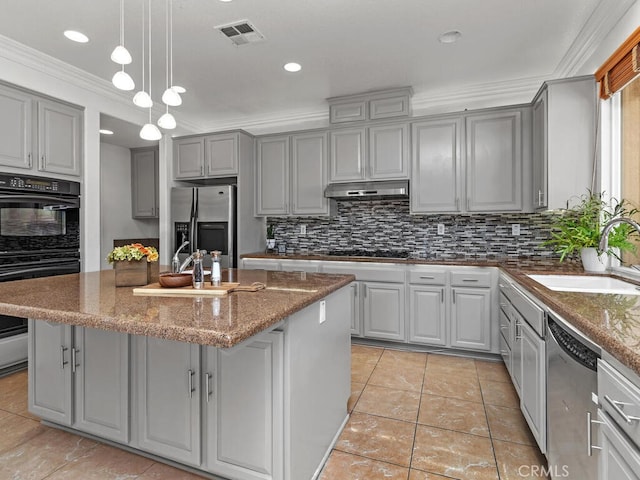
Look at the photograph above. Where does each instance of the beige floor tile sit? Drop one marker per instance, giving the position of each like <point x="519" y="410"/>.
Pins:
<point x="462" y="388"/>
<point x="399" y="357"/>
<point x="12" y="393"/>
<point x="495" y="371"/>
<point x="453" y="414"/>
<point x="104" y="463"/>
<point x="378" y="438"/>
<point x="160" y="471"/>
<point x="499" y="393"/>
<point x="468" y="372"/>
<point x="390" y="403"/>
<point x="453" y="454"/>
<point x="345" y="466"/>
<point x="365" y="354"/>
<point x="450" y="361"/>
<point x="356" y="391"/>
<point x="509" y="425"/>
<point x="43" y="455"/>
<point x="420" y="475"/>
<point x="360" y="372"/>
<point x="17" y="429"/>
<point x="405" y="377"/>
<point x="519" y="461"/>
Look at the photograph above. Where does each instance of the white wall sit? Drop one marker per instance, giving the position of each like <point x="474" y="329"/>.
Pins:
<point x="115" y="201"/>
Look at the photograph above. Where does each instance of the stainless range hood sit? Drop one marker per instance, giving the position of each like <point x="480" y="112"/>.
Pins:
<point x="364" y="190"/>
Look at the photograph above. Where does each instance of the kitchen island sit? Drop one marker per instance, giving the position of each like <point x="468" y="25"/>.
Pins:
<point x="252" y="385"/>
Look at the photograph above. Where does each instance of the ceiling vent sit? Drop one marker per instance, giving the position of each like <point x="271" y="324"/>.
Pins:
<point x="241" y="32"/>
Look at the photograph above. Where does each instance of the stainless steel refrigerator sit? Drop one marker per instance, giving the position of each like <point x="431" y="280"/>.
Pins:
<point x="206" y="217"/>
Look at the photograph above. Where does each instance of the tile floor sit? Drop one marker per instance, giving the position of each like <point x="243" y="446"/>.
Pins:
<point x="415" y="416"/>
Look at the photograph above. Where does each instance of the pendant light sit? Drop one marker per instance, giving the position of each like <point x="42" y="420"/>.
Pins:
<point x="120" y="54"/>
<point x="142" y="98"/>
<point x="123" y="81"/>
<point x="170" y="96"/>
<point x="167" y="121"/>
<point x="149" y="131"/>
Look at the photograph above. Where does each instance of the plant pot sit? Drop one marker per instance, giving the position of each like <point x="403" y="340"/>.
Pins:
<point x="592" y="262"/>
<point x="271" y="243"/>
<point x="132" y="273"/>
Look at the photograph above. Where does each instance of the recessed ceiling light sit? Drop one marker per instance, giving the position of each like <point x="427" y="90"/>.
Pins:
<point x="225" y="1"/>
<point x="292" y="67"/>
<point x="104" y="131"/>
<point x="76" y="36"/>
<point x="450" y="37"/>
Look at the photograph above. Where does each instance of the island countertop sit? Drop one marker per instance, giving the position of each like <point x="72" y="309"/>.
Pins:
<point x="92" y="300"/>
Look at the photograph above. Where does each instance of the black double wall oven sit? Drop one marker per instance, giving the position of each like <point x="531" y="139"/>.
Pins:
<point x="39" y="237"/>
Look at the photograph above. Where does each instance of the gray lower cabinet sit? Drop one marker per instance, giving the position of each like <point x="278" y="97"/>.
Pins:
<point x="384" y="310"/>
<point x="533" y="393"/>
<point x="168" y="398"/>
<point x="101" y="383"/>
<point x="619" y="459"/>
<point x="243" y="441"/>
<point x="356" y="309"/>
<point x="50" y="377"/>
<point x="427" y="315"/>
<point x="471" y="318"/>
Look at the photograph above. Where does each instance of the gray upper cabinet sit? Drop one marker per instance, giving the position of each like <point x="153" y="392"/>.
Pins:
<point x="168" y="397"/>
<point x="243" y="441"/>
<point x="292" y="175"/>
<point x="564" y="138"/>
<point x="102" y="383"/>
<point x="59" y="138"/>
<point x="494" y="161"/>
<point x="309" y="174"/>
<point x="144" y="183"/>
<point x="221" y="154"/>
<point x="378" y="152"/>
<point x="347" y="155"/>
<point x="272" y="175"/>
<point x="188" y="157"/>
<point x="50" y="376"/>
<point x="206" y="156"/>
<point x="15" y="128"/>
<point x="436" y="165"/>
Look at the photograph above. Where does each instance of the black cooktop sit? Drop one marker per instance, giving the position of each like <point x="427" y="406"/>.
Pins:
<point x="369" y="253"/>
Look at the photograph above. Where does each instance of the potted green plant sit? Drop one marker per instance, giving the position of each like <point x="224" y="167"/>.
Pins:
<point x="578" y="230"/>
<point x="271" y="237"/>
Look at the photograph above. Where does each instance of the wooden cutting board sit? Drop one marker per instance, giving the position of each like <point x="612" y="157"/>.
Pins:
<point x="208" y="290"/>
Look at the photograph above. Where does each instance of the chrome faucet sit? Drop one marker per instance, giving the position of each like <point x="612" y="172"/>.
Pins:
<point x="176" y="267"/>
<point x="604" y="236"/>
<point x="189" y="259"/>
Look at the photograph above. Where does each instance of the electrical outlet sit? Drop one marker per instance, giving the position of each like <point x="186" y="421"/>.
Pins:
<point x="441" y="229"/>
<point x="303" y="229"/>
<point x="515" y="229"/>
<point x="323" y="311"/>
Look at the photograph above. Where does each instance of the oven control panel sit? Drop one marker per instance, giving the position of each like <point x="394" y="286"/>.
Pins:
<point x="38" y="184"/>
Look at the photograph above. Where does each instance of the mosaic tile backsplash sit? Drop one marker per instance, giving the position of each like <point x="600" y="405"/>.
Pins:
<point x="387" y="225"/>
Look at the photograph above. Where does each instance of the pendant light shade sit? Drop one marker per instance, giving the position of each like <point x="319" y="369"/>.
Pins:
<point x="150" y="132"/>
<point x="123" y="81"/>
<point x="171" y="97"/>
<point x="167" y="121"/>
<point x="142" y="99"/>
<point x="121" y="55"/>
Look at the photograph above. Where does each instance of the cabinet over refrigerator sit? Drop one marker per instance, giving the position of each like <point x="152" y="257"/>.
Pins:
<point x="206" y="218"/>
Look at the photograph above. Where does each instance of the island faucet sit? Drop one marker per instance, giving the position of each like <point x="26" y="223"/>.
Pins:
<point x="175" y="263"/>
<point x="604" y="236"/>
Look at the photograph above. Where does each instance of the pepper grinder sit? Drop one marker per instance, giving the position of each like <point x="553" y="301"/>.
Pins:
<point x="215" y="268"/>
<point x="197" y="275"/>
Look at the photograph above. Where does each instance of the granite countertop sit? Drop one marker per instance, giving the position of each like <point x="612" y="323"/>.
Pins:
<point x="611" y="321"/>
<point x="93" y="300"/>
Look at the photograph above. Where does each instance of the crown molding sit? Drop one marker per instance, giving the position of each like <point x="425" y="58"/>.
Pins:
<point x="602" y="20"/>
<point x="44" y="64"/>
<point x="275" y="123"/>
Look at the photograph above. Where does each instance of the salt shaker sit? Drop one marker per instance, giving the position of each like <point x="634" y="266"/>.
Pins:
<point x="215" y="268"/>
<point x="197" y="275"/>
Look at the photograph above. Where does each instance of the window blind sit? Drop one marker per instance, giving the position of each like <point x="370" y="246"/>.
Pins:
<point x="621" y="67"/>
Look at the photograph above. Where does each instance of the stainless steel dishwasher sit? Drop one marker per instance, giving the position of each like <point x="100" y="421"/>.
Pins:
<point x="571" y="380"/>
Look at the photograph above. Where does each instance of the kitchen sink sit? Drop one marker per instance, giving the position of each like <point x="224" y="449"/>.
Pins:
<point x="586" y="284"/>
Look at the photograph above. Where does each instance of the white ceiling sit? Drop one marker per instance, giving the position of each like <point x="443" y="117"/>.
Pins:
<point x="344" y="46"/>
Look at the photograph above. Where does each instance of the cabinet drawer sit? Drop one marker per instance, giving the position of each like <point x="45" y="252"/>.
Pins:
<point x="427" y="277"/>
<point x="505" y="326"/>
<point x="378" y="273"/>
<point x="505" y="352"/>
<point x="471" y="279"/>
<point x="505" y="304"/>
<point x="532" y="313"/>
<point x="619" y="396"/>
